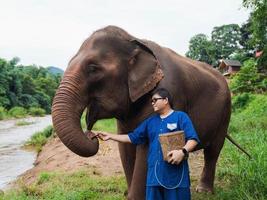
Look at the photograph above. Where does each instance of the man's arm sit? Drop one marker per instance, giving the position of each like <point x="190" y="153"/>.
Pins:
<point x="119" y="138"/>
<point x="176" y="156"/>
<point x="190" y="145"/>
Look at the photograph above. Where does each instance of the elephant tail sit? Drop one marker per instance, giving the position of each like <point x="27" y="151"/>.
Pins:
<point x="237" y="145"/>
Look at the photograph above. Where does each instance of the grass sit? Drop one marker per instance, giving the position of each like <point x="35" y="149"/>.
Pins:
<point x="237" y="177"/>
<point x="23" y="123"/>
<point x="3" y="113"/>
<point x="80" y="185"/>
<point x="20" y="112"/>
<point x="17" y="112"/>
<point x="108" y="125"/>
<point x="36" y="111"/>
<point x="40" y="138"/>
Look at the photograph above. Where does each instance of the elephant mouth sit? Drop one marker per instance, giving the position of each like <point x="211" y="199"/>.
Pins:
<point x="91" y="115"/>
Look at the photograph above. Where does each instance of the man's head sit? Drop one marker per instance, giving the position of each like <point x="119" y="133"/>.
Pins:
<point x="161" y="100"/>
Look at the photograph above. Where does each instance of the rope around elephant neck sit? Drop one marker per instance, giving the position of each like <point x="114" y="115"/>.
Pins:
<point x="169" y="188"/>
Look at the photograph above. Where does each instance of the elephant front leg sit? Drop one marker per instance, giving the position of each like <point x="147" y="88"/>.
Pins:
<point x="134" y="163"/>
<point x="137" y="190"/>
<point x="127" y="154"/>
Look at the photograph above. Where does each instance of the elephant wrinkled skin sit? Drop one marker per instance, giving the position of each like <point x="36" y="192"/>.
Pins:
<point x="113" y="74"/>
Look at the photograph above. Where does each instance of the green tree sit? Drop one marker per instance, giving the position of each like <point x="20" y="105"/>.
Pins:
<point x="4" y="84"/>
<point x="26" y="86"/>
<point x="258" y="28"/>
<point x="201" y="49"/>
<point x="226" y="39"/>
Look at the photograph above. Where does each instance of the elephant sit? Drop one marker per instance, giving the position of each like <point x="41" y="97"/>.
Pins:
<point x="112" y="76"/>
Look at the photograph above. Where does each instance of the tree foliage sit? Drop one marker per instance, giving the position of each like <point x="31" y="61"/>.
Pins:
<point x="224" y="44"/>
<point x="258" y="28"/>
<point x="26" y="86"/>
<point x="226" y="40"/>
<point x="248" y="79"/>
<point x="201" y="49"/>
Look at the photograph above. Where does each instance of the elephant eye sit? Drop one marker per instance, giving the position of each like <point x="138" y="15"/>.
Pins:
<point x="92" y="68"/>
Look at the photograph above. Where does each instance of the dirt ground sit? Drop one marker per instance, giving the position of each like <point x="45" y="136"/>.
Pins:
<point x="57" y="157"/>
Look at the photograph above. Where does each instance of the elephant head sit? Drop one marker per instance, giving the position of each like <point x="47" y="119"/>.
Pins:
<point x="109" y="73"/>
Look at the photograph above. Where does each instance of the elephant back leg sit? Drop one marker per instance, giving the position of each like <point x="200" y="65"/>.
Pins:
<point x="211" y="154"/>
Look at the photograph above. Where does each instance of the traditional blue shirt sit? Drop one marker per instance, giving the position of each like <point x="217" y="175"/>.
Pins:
<point x="159" y="171"/>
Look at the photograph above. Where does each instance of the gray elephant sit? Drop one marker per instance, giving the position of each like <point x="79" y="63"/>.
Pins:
<point x="113" y="74"/>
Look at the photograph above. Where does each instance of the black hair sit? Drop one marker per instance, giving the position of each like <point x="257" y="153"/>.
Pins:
<point x="164" y="93"/>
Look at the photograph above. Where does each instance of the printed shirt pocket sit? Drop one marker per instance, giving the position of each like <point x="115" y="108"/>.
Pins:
<point x="172" y="126"/>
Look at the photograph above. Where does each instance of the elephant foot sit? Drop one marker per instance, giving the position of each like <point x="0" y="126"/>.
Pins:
<point x="202" y="188"/>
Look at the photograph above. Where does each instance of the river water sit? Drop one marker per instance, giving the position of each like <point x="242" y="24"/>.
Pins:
<point x="13" y="159"/>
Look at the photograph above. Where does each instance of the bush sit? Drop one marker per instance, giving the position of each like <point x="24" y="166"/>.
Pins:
<point x="40" y="138"/>
<point x="240" y="101"/>
<point x="3" y="113"/>
<point x="17" y="112"/>
<point x="36" y="111"/>
<point x="248" y="79"/>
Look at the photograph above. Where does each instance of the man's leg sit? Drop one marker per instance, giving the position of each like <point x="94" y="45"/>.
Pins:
<point x="154" y="193"/>
<point x="177" y="194"/>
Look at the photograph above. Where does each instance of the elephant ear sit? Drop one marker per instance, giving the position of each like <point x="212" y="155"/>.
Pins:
<point x="144" y="71"/>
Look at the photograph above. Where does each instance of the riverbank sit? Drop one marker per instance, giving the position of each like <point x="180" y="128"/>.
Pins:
<point x="56" y="161"/>
<point x="14" y="160"/>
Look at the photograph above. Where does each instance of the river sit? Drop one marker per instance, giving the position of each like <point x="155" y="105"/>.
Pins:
<point x="13" y="159"/>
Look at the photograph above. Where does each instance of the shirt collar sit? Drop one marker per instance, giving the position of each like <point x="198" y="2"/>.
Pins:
<point x="165" y="116"/>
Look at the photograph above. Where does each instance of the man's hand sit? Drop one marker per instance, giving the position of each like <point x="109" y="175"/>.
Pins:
<point x="175" y="156"/>
<point x="104" y="135"/>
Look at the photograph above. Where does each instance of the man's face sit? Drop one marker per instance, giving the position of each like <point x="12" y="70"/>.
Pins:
<point x="158" y="102"/>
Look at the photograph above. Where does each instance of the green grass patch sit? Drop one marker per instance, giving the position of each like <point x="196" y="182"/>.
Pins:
<point x="17" y="112"/>
<point x="40" y="138"/>
<point x="80" y="185"/>
<point x="108" y="125"/>
<point x="23" y="123"/>
<point x="3" y="113"/>
<point x="239" y="178"/>
<point x="36" y="111"/>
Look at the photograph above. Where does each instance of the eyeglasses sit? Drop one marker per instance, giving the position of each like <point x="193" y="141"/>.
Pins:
<point x="154" y="100"/>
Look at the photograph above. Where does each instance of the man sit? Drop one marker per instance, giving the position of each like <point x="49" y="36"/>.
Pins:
<point x="165" y="180"/>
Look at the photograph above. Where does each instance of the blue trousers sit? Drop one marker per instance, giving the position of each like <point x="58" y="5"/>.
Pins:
<point x="161" y="193"/>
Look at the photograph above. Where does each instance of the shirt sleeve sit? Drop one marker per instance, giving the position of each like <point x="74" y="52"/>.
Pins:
<point x="139" y="135"/>
<point x="188" y="127"/>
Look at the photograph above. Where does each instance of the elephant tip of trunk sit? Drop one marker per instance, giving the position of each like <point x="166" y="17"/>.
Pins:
<point x="91" y="151"/>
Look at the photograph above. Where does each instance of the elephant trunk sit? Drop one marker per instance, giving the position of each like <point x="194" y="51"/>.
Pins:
<point x="68" y="106"/>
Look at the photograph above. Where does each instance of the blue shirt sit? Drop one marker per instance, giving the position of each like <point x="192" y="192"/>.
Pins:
<point x="159" y="171"/>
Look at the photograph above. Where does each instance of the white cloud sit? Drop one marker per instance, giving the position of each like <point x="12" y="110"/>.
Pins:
<point x="50" y="32"/>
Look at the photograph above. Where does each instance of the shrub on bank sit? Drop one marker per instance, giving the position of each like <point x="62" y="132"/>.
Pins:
<point x="40" y="138"/>
<point x="34" y="111"/>
<point x="17" y="112"/>
<point x="3" y="113"/>
<point x="248" y="79"/>
<point x="241" y="101"/>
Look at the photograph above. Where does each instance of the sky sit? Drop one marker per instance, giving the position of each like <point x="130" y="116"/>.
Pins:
<point x="50" y="32"/>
